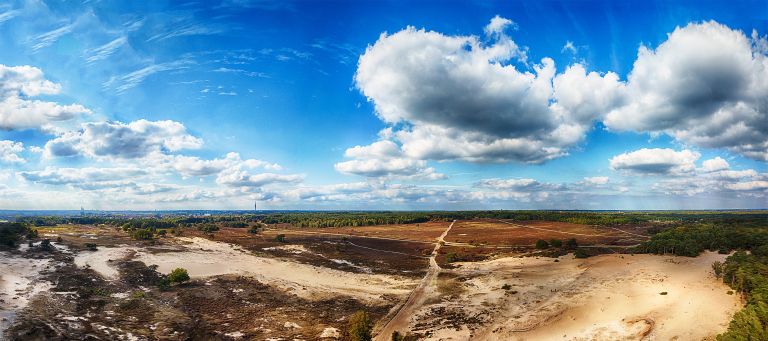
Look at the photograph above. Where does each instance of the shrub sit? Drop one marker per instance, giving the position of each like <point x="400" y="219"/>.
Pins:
<point x="506" y="286"/>
<point x="138" y="294"/>
<point x="451" y="257"/>
<point x="236" y="224"/>
<point x="542" y="244"/>
<point x="556" y="243"/>
<point x="164" y="283"/>
<point x="580" y="253"/>
<point x="208" y="228"/>
<point x="253" y="230"/>
<point x="360" y="326"/>
<point x="46" y="245"/>
<point x="178" y="275"/>
<point x="663" y="293"/>
<point x="280" y="238"/>
<point x="142" y="234"/>
<point x="91" y="246"/>
<point x="101" y="292"/>
<point x="571" y="244"/>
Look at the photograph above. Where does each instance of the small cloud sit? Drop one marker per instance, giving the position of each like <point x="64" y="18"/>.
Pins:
<point x="106" y="50"/>
<point x="569" y="47"/>
<point x="8" y="15"/>
<point x="47" y="39"/>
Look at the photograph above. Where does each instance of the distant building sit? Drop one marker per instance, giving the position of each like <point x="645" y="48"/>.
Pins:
<point x="82" y="211"/>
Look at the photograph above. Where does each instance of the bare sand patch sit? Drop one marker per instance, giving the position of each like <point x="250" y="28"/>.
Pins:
<point x="19" y="282"/>
<point x="206" y="258"/>
<point x="607" y="297"/>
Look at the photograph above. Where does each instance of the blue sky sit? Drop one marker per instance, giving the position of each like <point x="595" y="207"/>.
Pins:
<point x="383" y="104"/>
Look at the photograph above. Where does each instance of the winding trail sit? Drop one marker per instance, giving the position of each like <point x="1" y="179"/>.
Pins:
<point x="416" y="298"/>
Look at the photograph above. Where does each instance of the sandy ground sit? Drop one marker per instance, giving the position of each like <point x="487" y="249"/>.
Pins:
<point x="607" y="297"/>
<point x="19" y="281"/>
<point x="205" y="258"/>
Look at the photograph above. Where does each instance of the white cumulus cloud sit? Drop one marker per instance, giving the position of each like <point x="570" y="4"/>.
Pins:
<point x="123" y="141"/>
<point x="18" y="111"/>
<point x="706" y="85"/>
<point x="656" y="161"/>
<point x="465" y="99"/>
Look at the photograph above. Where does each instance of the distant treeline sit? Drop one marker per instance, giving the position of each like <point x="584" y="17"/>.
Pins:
<point x="340" y="219"/>
<point x="140" y="222"/>
<point x="360" y="218"/>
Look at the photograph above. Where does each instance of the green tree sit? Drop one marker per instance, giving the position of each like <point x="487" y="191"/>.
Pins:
<point x="571" y="244"/>
<point x="360" y="326"/>
<point x="542" y="244"/>
<point x="178" y="275"/>
<point x="556" y="243"/>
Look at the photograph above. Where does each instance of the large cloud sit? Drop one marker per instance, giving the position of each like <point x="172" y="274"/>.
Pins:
<point x="706" y="85"/>
<point x="17" y="111"/>
<point x="383" y="159"/>
<point x="463" y="98"/>
<point x="123" y="141"/>
<point x="656" y="161"/>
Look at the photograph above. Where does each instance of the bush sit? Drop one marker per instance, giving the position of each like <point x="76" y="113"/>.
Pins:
<point x="46" y="245"/>
<point x="556" y="243"/>
<point x="280" y="238"/>
<point x="142" y="234"/>
<point x="178" y="275"/>
<point x="506" y="286"/>
<point x="360" y="326"/>
<point x="451" y="257"/>
<point x="164" y="284"/>
<point x="542" y="244"/>
<point x="208" y="228"/>
<point x="91" y="246"/>
<point x="580" y="253"/>
<point x="253" y="230"/>
<point x="571" y="244"/>
<point x="236" y="224"/>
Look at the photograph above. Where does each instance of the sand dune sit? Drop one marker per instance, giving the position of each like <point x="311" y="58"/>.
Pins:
<point x="608" y="297"/>
<point x="205" y="258"/>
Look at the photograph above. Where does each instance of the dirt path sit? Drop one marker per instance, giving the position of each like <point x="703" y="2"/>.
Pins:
<point x="400" y="321"/>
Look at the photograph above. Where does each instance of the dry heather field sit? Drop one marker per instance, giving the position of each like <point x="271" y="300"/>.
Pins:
<point x="484" y="280"/>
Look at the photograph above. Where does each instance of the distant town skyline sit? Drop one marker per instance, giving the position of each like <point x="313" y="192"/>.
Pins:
<point x="392" y="105"/>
